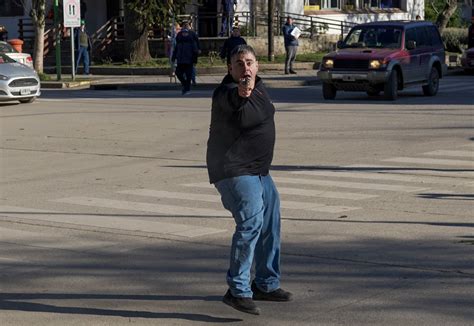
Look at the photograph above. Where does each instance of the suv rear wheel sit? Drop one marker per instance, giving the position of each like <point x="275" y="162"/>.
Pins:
<point x="329" y="91"/>
<point x="433" y="83"/>
<point x="391" y="86"/>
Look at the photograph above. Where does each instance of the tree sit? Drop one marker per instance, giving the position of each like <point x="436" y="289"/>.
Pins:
<point x="443" y="12"/>
<point x="37" y="10"/>
<point x="139" y="16"/>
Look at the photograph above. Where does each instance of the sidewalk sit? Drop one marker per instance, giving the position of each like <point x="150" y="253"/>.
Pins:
<point x="207" y="78"/>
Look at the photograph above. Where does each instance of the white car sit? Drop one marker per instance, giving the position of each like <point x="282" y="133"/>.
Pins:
<point x="17" y="81"/>
<point x="23" y="58"/>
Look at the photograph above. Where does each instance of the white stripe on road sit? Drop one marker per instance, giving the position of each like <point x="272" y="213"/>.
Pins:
<point x="324" y="194"/>
<point x="469" y="154"/>
<point x="142" y="207"/>
<point x="129" y="224"/>
<point x="373" y="176"/>
<point x="216" y="199"/>
<point x="431" y="172"/>
<point x="354" y="185"/>
<point x="456" y="89"/>
<point x="416" y="160"/>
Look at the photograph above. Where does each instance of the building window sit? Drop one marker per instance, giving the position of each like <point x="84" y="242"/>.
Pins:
<point x="324" y="4"/>
<point x="11" y="8"/>
<point x="384" y="4"/>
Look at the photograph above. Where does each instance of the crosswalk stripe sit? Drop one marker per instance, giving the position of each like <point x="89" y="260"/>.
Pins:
<point x="305" y="192"/>
<point x="215" y="199"/>
<point x="416" y="160"/>
<point x="373" y="176"/>
<point x="431" y="172"/>
<point x="354" y="185"/>
<point x="469" y="154"/>
<point x="341" y="184"/>
<point x="181" y="230"/>
<point x="142" y="207"/>
<point x="324" y="194"/>
<point x="119" y="223"/>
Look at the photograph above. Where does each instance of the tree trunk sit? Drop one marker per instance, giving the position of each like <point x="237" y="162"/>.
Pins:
<point x="38" y="15"/>
<point x="39" y="48"/>
<point x="444" y="16"/>
<point x="136" y="37"/>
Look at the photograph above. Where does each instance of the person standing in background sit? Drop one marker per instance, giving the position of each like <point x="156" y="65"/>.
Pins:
<point x="227" y="16"/>
<point x="233" y="41"/>
<point x="185" y="55"/>
<point x="291" y="45"/>
<point x="83" y="44"/>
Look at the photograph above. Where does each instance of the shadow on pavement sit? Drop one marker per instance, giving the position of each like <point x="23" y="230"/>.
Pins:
<point x="16" y="305"/>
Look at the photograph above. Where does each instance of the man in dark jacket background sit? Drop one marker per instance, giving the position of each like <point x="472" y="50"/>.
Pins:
<point x="291" y="45"/>
<point x="185" y="54"/>
<point x="233" y="41"/>
<point x="239" y="155"/>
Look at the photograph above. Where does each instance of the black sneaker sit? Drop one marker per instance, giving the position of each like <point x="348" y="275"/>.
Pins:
<point x="242" y="304"/>
<point x="292" y="72"/>
<point x="277" y="295"/>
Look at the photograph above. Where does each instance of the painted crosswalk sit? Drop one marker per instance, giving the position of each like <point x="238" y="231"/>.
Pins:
<point x="112" y="222"/>
<point x="304" y="194"/>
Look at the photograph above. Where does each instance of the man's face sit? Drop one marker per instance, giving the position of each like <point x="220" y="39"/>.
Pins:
<point x="243" y="65"/>
<point x="290" y="21"/>
<point x="236" y="32"/>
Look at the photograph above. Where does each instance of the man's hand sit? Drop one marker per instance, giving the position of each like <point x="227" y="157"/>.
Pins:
<point x="246" y="86"/>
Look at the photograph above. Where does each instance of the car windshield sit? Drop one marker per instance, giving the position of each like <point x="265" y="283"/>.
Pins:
<point x="374" y="37"/>
<point x="5" y="59"/>
<point x="6" y="48"/>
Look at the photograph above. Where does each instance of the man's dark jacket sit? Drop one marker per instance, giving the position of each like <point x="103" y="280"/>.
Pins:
<point x="186" y="49"/>
<point x="242" y="132"/>
<point x="229" y="45"/>
<point x="290" y="40"/>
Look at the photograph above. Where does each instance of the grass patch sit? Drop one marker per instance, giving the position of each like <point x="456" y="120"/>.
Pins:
<point x="212" y="61"/>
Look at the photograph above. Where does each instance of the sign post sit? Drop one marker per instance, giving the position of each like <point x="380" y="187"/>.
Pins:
<point x="58" y="39"/>
<point x="72" y="18"/>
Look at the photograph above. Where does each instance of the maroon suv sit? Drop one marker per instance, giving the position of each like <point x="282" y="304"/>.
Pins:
<point x="385" y="56"/>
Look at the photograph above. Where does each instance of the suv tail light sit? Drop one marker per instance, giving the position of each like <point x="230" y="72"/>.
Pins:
<point x="29" y="59"/>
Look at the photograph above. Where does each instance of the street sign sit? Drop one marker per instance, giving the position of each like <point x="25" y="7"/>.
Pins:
<point x="72" y="13"/>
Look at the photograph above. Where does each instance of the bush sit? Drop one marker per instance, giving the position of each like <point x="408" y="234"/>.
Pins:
<point x="455" y="39"/>
<point x="44" y="77"/>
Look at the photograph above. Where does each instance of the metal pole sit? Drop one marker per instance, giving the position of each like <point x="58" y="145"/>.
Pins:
<point x="73" y="70"/>
<point x="57" y="27"/>
<point x="271" y="48"/>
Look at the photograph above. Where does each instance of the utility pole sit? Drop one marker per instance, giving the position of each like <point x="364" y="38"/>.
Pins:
<point x="271" y="47"/>
<point x="58" y="39"/>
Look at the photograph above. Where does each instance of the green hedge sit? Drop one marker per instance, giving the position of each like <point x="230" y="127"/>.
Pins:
<point x="455" y="39"/>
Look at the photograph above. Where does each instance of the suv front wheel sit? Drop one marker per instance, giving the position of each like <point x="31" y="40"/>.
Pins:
<point x="329" y="91"/>
<point x="391" y="86"/>
<point x="433" y="83"/>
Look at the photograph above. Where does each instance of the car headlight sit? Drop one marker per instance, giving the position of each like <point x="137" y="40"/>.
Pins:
<point x="2" y="77"/>
<point x="375" y="64"/>
<point x="328" y="63"/>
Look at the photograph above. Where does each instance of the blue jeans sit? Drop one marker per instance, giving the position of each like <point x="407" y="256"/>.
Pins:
<point x="255" y="205"/>
<point x="84" y="54"/>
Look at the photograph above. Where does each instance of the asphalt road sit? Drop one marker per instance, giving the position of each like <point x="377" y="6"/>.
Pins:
<point x="107" y="217"/>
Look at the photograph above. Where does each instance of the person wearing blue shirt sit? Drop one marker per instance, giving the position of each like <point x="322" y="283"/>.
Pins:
<point x="227" y="15"/>
<point x="291" y="45"/>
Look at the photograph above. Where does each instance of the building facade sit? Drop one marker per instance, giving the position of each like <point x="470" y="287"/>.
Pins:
<point x="356" y="11"/>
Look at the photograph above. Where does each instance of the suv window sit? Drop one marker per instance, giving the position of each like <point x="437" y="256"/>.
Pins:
<point x="374" y="37"/>
<point x="422" y="37"/>
<point x="410" y="35"/>
<point x="434" y="34"/>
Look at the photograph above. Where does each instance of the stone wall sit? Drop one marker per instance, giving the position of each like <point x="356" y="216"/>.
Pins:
<point x="324" y="42"/>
